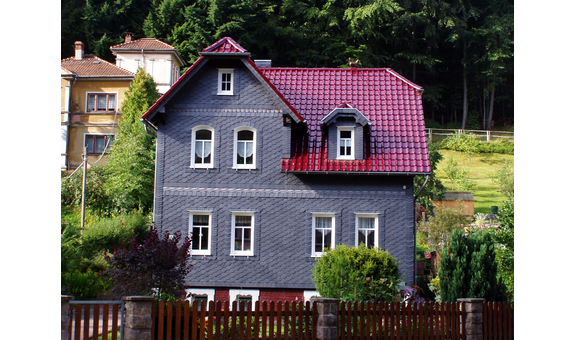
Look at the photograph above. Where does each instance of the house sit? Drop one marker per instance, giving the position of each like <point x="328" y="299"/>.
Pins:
<point x="266" y="167"/>
<point x="92" y="90"/>
<point x="160" y="60"/>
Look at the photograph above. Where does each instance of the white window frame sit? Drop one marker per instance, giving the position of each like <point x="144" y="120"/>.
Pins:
<point x="193" y="156"/>
<point x="253" y="293"/>
<point x="222" y="71"/>
<point x="254" y="148"/>
<point x="375" y="227"/>
<point x="210" y="293"/>
<point x="191" y="227"/>
<point x="315" y="253"/>
<point x="249" y="252"/>
<point x="351" y="140"/>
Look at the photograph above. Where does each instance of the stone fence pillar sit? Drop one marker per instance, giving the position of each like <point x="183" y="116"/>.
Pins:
<point x="66" y="316"/>
<point x="327" y="310"/>
<point x="138" y="317"/>
<point x="473" y="323"/>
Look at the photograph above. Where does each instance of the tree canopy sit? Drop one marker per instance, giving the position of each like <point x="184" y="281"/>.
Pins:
<point x="460" y="51"/>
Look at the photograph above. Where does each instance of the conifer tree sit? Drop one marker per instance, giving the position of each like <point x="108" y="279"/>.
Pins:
<point x="131" y="165"/>
<point x="468" y="268"/>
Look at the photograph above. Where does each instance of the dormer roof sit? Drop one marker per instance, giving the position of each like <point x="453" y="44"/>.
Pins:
<point x="345" y="111"/>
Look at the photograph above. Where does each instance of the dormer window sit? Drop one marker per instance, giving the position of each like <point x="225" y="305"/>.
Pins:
<point x="346" y="128"/>
<point x="345" y="142"/>
<point x="226" y="81"/>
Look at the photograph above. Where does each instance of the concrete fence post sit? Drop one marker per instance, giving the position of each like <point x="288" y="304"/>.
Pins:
<point x="66" y="316"/>
<point x="473" y="323"/>
<point x="327" y="310"/>
<point x="138" y="317"/>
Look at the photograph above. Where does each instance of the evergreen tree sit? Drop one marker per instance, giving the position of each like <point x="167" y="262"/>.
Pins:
<point x="131" y="165"/>
<point x="468" y="268"/>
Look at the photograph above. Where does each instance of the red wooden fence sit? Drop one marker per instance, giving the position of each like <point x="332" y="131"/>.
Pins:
<point x="89" y="321"/>
<point x="498" y="320"/>
<point x="295" y="321"/>
<point x="377" y="321"/>
<point x="269" y="321"/>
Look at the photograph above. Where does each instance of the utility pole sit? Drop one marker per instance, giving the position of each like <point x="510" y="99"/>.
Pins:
<point x="84" y="192"/>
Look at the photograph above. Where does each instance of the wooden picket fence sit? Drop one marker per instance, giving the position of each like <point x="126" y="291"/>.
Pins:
<point x="96" y="320"/>
<point x="268" y="320"/>
<point x="498" y="320"/>
<point x="296" y="321"/>
<point x="376" y="321"/>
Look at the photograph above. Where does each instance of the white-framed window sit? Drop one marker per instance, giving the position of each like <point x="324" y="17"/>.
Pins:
<point x="200" y="294"/>
<point x="366" y="227"/>
<point x="242" y="233"/>
<point x="245" y="295"/>
<point x="323" y="233"/>
<point x="226" y="81"/>
<point x="200" y="232"/>
<point x="245" y="148"/>
<point x="345" y="143"/>
<point x="98" y="143"/>
<point x="202" y="147"/>
<point x="101" y="102"/>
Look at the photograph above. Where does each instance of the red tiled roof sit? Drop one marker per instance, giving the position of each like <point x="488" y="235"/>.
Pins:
<point x="144" y="44"/>
<point x="390" y="103"/>
<point x="92" y="66"/>
<point x="397" y="140"/>
<point x="225" y="45"/>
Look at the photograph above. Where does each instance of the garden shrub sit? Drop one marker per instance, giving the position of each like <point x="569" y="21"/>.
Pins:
<point x="108" y="233"/>
<point x="69" y="248"/>
<point x="436" y="231"/>
<point x="156" y="265"/>
<point x="503" y="146"/>
<point x="468" y="268"/>
<point x="84" y="286"/>
<point x="357" y="274"/>
<point x="504" y="236"/>
<point x="97" y="199"/>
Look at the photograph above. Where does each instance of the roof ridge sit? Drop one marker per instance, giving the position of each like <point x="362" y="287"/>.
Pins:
<point x="221" y="42"/>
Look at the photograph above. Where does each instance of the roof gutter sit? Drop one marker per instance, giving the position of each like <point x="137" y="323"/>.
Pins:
<point x="150" y="128"/>
<point x="333" y="172"/>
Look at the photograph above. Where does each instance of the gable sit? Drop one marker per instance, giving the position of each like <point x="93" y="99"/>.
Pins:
<point x="228" y="50"/>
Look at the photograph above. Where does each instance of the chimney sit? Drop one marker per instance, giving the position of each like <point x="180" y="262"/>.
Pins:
<point x="128" y="37"/>
<point x="79" y="47"/>
<point x="263" y="63"/>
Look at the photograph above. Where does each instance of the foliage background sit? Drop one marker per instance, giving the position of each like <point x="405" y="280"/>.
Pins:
<point x="461" y="52"/>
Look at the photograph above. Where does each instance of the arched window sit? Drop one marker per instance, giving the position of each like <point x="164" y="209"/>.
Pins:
<point x="202" y="147"/>
<point x="245" y="148"/>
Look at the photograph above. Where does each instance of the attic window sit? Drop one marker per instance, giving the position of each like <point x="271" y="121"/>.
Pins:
<point x="345" y="142"/>
<point x="226" y="81"/>
<point x="346" y="128"/>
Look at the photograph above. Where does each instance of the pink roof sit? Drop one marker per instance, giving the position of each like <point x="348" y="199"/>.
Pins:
<point x="390" y="103"/>
<point x="92" y="66"/>
<point x="397" y="141"/>
<point x="144" y="44"/>
<point x="225" y="45"/>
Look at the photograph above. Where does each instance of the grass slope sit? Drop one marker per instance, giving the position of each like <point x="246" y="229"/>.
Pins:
<point x="481" y="167"/>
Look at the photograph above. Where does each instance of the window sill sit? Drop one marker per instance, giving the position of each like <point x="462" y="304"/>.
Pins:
<point x="192" y="169"/>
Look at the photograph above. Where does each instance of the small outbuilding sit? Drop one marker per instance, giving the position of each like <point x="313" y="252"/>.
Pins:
<point x="453" y="198"/>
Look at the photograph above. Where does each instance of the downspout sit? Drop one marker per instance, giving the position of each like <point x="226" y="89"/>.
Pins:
<point x="152" y="131"/>
<point x="415" y="229"/>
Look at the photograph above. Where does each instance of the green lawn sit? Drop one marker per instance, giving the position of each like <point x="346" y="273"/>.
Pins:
<point x="481" y="167"/>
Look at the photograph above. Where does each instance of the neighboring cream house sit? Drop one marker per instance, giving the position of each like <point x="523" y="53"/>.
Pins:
<point x="92" y="91"/>
<point x="160" y="60"/>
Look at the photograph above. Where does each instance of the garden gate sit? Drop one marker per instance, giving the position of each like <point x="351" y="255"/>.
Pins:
<point x="102" y="319"/>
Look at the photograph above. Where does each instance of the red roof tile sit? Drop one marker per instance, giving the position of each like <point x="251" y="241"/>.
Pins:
<point x="144" y="44"/>
<point x="92" y="66"/>
<point x="392" y="104"/>
<point x="225" y="45"/>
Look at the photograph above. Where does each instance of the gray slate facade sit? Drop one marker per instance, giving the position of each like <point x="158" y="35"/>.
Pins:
<point x="283" y="204"/>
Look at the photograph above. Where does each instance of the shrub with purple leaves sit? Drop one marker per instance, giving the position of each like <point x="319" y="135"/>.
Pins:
<point x="157" y="265"/>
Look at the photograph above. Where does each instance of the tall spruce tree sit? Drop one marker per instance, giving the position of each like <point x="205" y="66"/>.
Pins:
<point x="468" y="268"/>
<point x="131" y="165"/>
